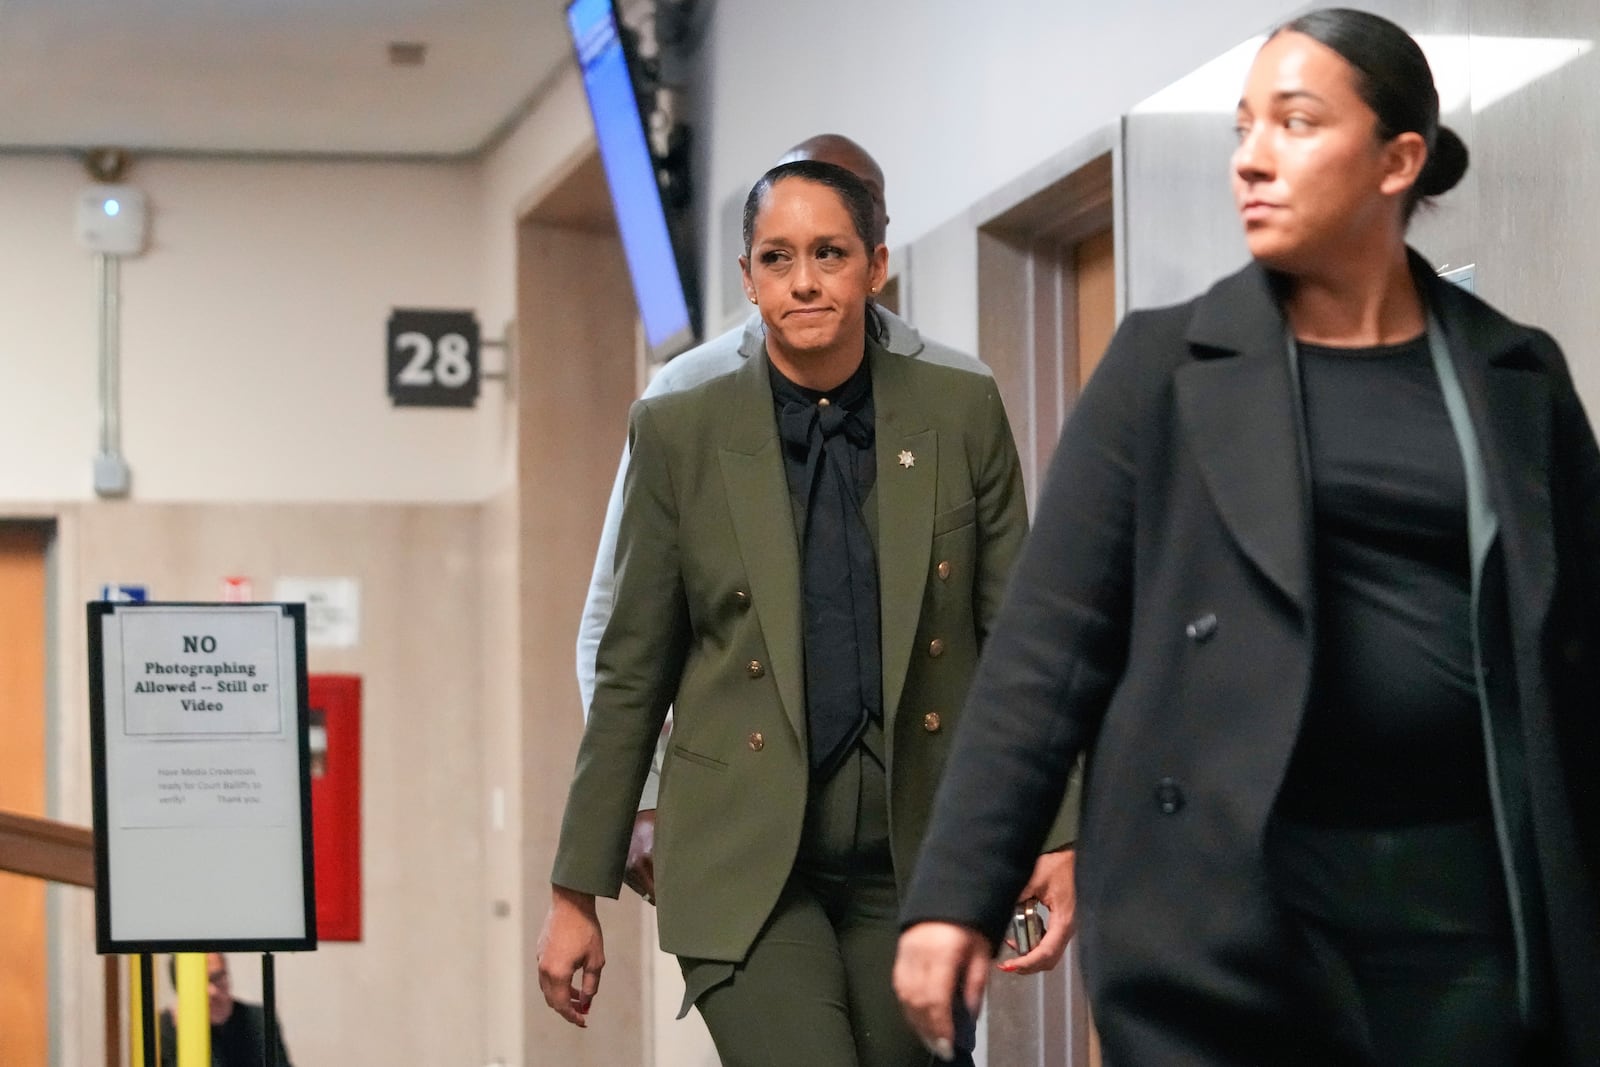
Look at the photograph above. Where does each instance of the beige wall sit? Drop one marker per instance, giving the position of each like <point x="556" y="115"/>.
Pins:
<point x="252" y="332"/>
<point x="577" y="358"/>
<point x="955" y="103"/>
<point x="412" y="991"/>
<point x="505" y="919"/>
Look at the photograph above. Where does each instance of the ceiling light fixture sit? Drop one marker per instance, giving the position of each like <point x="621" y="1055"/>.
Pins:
<point x="1472" y="71"/>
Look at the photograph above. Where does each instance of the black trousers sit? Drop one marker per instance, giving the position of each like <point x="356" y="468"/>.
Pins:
<point x="1406" y="937"/>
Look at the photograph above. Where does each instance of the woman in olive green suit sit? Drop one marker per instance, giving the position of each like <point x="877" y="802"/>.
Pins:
<point x="811" y="549"/>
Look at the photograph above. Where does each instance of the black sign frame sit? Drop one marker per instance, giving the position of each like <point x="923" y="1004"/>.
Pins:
<point x="105" y="944"/>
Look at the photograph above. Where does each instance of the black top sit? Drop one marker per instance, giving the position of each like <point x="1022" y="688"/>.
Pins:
<point x="831" y="464"/>
<point x="855" y="396"/>
<point x="1393" y="735"/>
<point x="237" y="1041"/>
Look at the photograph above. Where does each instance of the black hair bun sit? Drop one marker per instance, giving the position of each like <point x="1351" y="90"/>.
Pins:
<point x="1446" y="165"/>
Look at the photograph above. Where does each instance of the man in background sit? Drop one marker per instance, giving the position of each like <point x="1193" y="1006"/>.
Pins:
<point x="238" y="1029"/>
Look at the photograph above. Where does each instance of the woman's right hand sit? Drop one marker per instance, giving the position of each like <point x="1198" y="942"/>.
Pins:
<point x="938" y="963"/>
<point x="569" y="945"/>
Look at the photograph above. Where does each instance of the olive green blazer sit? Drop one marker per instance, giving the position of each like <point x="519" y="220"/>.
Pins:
<point x="707" y="622"/>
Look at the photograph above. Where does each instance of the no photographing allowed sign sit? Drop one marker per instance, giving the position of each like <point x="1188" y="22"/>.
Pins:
<point x="201" y="790"/>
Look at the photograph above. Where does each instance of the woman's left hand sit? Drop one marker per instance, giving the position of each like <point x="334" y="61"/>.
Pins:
<point x="1053" y="886"/>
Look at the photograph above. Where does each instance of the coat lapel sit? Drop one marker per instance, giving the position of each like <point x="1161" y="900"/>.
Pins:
<point x="1508" y="396"/>
<point x="763" y="523"/>
<point x="906" y="498"/>
<point x="1518" y="463"/>
<point x="1239" y="404"/>
<point x="1239" y="407"/>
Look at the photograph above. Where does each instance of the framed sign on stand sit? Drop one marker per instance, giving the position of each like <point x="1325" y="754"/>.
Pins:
<point x="202" y="800"/>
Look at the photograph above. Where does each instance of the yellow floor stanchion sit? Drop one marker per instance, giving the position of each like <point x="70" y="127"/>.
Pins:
<point x="135" y="1015"/>
<point x="194" y="1010"/>
<point x="143" y="1033"/>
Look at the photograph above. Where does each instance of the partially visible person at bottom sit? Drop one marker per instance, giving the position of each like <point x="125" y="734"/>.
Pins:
<point x="1315" y="579"/>
<point x="238" y="1029"/>
<point x="810" y="551"/>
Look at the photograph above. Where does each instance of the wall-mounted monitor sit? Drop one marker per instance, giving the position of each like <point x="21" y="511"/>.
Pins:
<point x="660" y="282"/>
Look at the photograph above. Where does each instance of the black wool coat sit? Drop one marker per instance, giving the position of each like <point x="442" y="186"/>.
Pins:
<point x="1162" y="620"/>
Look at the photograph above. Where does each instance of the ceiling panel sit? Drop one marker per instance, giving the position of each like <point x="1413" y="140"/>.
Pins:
<point x="271" y="76"/>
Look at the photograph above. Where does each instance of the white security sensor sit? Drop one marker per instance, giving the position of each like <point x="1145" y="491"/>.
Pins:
<point x="112" y="219"/>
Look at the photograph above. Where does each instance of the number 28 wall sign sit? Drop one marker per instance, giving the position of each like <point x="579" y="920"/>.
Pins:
<point x="433" y="358"/>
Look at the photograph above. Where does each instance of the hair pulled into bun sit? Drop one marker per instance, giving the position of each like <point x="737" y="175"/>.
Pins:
<point x="1393" y="78"/>
<point x="1446" y="165"/>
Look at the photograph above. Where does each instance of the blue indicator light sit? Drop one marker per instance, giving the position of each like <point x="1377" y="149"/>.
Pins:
<point x="113" y="208"/>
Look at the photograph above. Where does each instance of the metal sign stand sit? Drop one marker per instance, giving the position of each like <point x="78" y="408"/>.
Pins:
<point x="147" y="1007"/>
<point x="269" y="1008"/>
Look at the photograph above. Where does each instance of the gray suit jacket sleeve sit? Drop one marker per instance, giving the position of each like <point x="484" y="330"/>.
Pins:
<point x="602" y="583"/>
<point x="903" y="339"/>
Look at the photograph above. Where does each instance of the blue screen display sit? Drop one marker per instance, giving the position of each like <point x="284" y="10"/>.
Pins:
<point x="630" y="172"/>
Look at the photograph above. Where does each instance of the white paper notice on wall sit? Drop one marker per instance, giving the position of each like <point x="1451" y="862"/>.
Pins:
<point x="333" y="609"/>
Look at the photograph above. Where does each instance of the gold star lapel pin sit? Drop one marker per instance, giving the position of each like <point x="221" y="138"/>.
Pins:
<point x="907" y="460"/>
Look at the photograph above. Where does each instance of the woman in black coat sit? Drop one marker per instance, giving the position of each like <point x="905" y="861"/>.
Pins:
<point x="1315" y="582"/>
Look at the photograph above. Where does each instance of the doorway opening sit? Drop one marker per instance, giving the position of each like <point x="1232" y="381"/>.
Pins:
<point x="1047" y="302"/>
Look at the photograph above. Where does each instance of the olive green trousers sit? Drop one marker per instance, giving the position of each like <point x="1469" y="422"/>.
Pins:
<point x="815" y="988"/>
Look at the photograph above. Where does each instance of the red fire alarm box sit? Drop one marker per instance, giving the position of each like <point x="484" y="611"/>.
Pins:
<point x="336" y="803"/>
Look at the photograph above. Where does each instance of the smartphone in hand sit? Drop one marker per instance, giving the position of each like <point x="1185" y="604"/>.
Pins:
<point x="1027" y="926"/>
